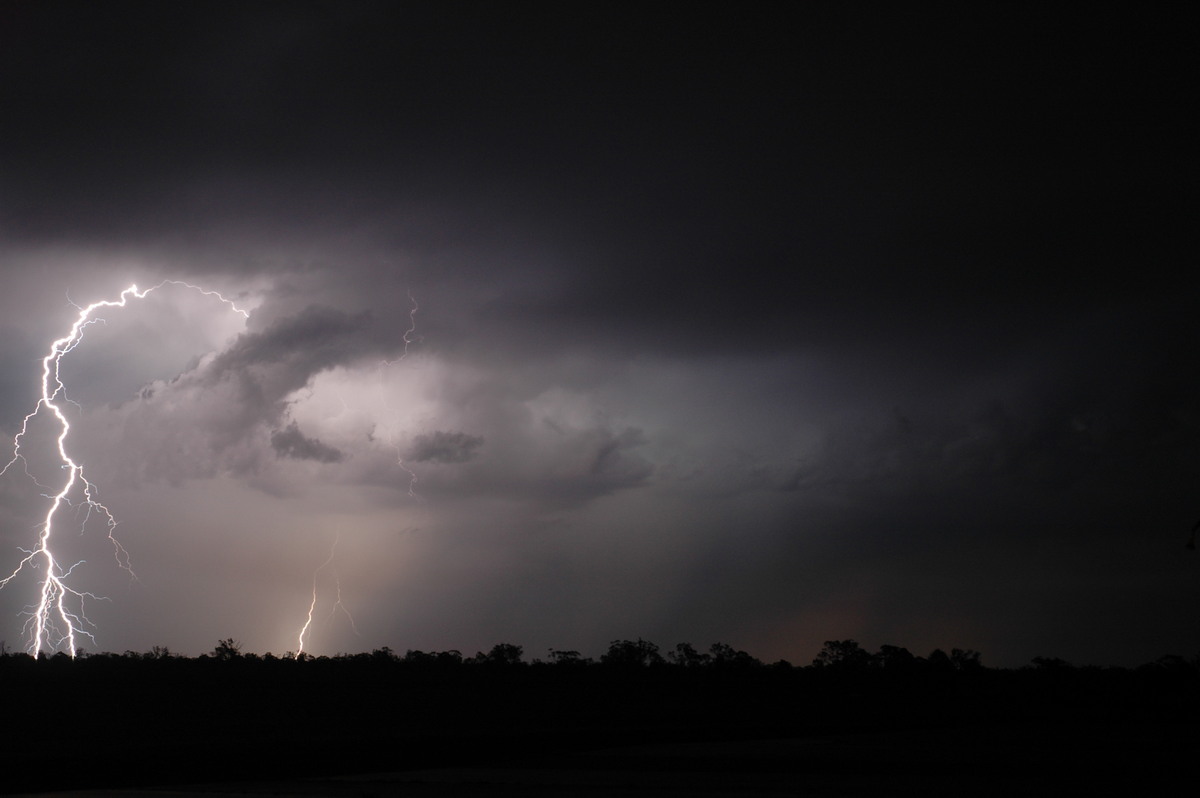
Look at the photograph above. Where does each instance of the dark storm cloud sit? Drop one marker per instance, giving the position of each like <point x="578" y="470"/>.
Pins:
<point x="781" y="188"/>
<point x="594" y="462"/>
<point x="542" y="464"/>
<point x="890" y="295"/>
<point x="291" y="442"/>
<point x="314" y="339"/>
<point x="444" y="447"/>
<point x="268" y="366"/>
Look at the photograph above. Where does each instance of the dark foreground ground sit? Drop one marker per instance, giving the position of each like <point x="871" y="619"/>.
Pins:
<point x="988" y="762"/>
<point x="382" y="729"/>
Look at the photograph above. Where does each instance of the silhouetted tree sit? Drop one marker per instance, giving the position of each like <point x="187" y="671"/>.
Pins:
<point x="450" y="657"/>
<point x="895" y="659"/>
<point x="723" y="655"/>
<point x="630" y="653"/>
<point x="567" y="658"/>
<point x="227" y="649"/>
<point x="843" y="655"/>
<point x="965" y="659"/>
<point x="687" y="656"/>
<point x="501" y="654"/>
<point x="939" y="660"/>
<point x="417" y="657"/>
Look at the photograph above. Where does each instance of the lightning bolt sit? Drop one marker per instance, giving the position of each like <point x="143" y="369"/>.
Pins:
<point x="408" y="334"/>
<point x="337" y="605"/>
<point x="58" y="618"/>
<point x="412" y="475"/>
<point x="408" y="339"/>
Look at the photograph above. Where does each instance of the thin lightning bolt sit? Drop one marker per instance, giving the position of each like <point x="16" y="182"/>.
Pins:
<point x="412" y="475"/>
<point x="408" y="339"/>
<point x="337" y="605"/>
<point x="408" y="334"/>
<point x="52" y="622"/>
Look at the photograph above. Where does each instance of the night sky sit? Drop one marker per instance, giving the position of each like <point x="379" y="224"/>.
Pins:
<point x="745" y="324"/>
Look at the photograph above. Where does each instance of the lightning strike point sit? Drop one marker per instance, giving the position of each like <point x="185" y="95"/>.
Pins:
<point x="337" y="605"/>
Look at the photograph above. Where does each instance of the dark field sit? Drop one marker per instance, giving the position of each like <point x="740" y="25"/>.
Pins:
<point x="383" y="725"/>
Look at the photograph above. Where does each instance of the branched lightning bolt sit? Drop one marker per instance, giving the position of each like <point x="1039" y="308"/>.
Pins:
<point x="53" y="621"/>
<point x="337" y="604"/>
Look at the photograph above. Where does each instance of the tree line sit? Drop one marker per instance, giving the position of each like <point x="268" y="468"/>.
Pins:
<point x="835" y="657"/>
<point x="297" y="714"/>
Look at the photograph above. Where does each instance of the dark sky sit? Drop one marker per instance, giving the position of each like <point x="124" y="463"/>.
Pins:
<point x="750" y="325"/>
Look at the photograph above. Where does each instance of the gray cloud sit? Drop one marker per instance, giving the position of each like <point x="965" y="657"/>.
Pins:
<point x="271" y="364"/>
<point x="444" y="447"/>
<point x="291" y="442"/>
